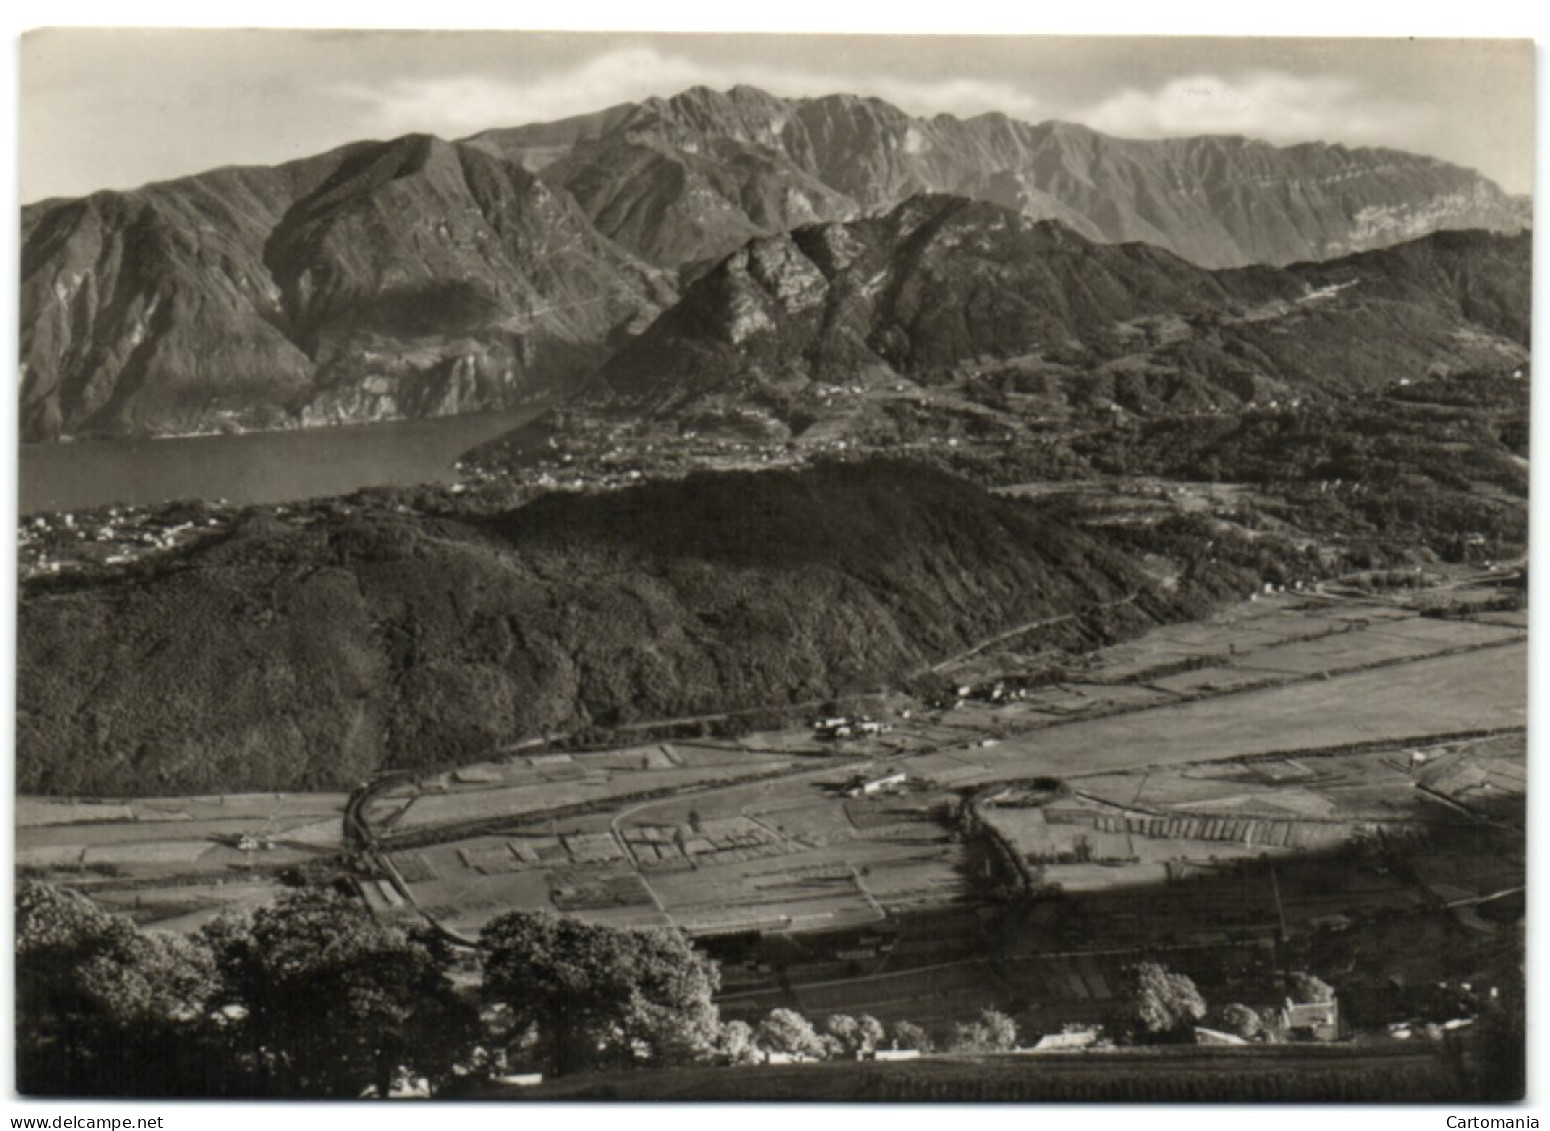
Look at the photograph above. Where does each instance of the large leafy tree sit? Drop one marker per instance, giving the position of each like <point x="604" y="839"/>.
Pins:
<point x="736" y="1045"/>
<point x="992" y="1032"/>
<point x="103" y="1008"/>
<point x="595" y="995"/>
<point x="908" y="1035"/>
<point x="851" y="1036"/>
<point x="327" y="1001"/>
<point x="1242" y="1021"/>
<point x="787" y="1031"/>
<point x="1163" y="1004"/>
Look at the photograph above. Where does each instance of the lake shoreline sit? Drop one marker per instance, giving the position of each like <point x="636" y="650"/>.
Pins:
<point x="247" y="468"/>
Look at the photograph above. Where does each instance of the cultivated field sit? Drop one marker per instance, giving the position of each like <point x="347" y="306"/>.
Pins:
<point x="1448" y="694"/>
<point x="213" y="852"/>
<point x="1224" y="782"/>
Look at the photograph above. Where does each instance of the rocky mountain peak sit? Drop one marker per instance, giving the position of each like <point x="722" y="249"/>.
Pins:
<point x="359" y="283"/>
<point x="943" y="289"/>
<point x="1220" y="201"/>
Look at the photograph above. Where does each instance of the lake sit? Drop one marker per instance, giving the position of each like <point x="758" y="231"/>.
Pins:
<point x="257" y="467"/>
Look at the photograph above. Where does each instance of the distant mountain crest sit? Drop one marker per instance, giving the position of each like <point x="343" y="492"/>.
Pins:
<point x="420" y="277"/>
<point x="942" y="288"/>
<point x="1218" y="201"/>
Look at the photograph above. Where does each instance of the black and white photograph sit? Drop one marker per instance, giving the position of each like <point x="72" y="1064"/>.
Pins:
<point x="576" y="566"/>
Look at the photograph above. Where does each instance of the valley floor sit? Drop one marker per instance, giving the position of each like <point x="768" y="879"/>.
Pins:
<point x="1227" y="785"/>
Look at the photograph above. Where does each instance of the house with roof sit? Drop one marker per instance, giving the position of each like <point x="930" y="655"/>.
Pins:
<point x="867" y="786"/>
<point x="1070" y="1039"/>
<point x="1311" y="1020"/>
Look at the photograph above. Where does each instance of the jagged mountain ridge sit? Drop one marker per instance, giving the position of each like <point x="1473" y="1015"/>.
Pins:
<point x="692" y="177"/>
<point x="942" y="285"/>
<point x="384" y="280"/>
<point x="419" y="277"/>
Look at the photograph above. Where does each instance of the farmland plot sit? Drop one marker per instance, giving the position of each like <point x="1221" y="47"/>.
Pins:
<point x="1447" y="633"/>
<point x="1339" y="652"/>
<point x="1216" y="678"/>
<point x="586" y="784"/>
<point x="1159" y="825"/>
<point x="1437" y="695"/>
<point x="184" y="909"/>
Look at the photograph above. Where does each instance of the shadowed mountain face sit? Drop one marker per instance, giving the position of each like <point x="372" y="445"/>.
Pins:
<point x="692" y="177"/>
<point x="380" y="281"/>
<point x="943" y="287"/>
<point x="306" y="656"/>
<point x="418" y="277"/>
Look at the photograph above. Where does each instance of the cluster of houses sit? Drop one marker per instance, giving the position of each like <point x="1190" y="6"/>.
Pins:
<point x="1299" y="1021"/>
<point x="46" y="543"/>
<point x="997" y="691"/>
<point x="831" y="728"/>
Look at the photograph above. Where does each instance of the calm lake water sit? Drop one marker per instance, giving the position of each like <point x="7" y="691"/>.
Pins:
<point x="260" y="467"/>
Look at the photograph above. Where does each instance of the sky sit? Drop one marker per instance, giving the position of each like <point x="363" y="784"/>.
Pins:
<point x="117" y="108"/>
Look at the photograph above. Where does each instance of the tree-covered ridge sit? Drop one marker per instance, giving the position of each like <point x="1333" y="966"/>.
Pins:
<point x="1432" y="464"/>
<point x="311" y="650"/>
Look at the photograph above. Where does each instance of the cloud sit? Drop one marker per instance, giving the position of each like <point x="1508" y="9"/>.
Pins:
<point x="960" y="97"/>
<point x="1262" y="104"/>
<point x="457" y="105"/>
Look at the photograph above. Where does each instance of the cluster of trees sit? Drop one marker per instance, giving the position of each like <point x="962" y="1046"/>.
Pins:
<point x="312" y="996"/>
<point x="1166" y="1006"/>
<point x="307" y="996"/>
<point x="843" y="1037"/>
<point x="567" y="995"/>
<point x="1399" y="469"/>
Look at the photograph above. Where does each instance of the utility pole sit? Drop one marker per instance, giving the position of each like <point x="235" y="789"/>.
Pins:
<point x="1275" y="888"/>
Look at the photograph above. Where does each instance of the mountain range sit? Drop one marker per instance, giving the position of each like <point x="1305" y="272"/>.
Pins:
<point x="942" y="288"/>
<point x="693" y="177"/>
<point x="420" y="277"/>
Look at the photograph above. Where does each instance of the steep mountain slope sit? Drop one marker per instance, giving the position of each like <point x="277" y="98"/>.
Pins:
<point x="692" y="177"/>
<point x="943" y="287"/>
<point x="418" y="277"/>
<point x="408" y="278"/>
<point x="307" y="654"/>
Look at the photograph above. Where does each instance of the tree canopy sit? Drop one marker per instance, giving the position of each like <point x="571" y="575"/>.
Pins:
<point x="331" y="1002"/>
<point x="991" y="1032"/>
<point x="1163" y="1003"/>
<point x="908" y="1035"/>
<point x="307" y="996"/>
<point x="1241" y="1021"/>
<point x="599" y="996"/>
<point x="851" y="1036"/>
<point x="787" y="1031"/>
<point x="102" y="1007"/>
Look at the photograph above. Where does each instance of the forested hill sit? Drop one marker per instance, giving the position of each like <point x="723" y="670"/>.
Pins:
<point x="303" y="654"/>
<point x="941" y="288"/>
